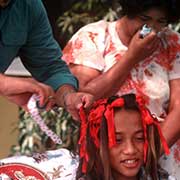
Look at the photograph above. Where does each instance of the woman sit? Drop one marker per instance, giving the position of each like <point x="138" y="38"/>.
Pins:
<point x="111" y="58"/>
<point x="120" y="140"/>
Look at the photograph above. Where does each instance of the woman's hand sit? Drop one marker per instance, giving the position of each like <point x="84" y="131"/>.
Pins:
<point x="141" y="48"/>
<point x="73" y="102"/>
<point x="67" y="97"/>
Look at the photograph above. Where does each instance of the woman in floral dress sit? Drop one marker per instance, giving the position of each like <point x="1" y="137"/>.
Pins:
<point x="111" y="58"/>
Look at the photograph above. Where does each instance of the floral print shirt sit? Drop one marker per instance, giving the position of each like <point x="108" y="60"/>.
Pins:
<point x="98" y="46"/>
<point x="57" y="164"/>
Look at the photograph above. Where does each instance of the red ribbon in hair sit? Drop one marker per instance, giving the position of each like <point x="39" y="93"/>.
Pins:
<point x="94" y="120"/>
<point x="148" y="119"/>
<point x="82" y="140"/>
<point x="109" y="114"/>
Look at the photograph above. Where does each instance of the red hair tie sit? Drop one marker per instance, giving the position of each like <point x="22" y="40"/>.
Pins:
<point x="82" y="140"/>
<point x="148" y="119"/>
<point x="109" y="114"/>
<point x="94" y="121"/>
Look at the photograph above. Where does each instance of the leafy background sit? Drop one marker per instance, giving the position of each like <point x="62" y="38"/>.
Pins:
<point x="66" y="18"/>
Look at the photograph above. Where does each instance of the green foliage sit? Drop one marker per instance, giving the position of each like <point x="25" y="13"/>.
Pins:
<point x="85" y="12"/>
<point x="32" y="139"/>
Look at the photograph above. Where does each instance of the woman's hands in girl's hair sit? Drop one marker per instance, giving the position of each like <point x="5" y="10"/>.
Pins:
<point x="141" y="48"/>
<point x="67" y="97"/>
<point x="19" y="90"/>
<point x="73" y="102"/>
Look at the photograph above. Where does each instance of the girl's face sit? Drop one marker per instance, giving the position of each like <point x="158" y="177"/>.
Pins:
<point x="155" y="18"/>
<point x="126" y="157"/>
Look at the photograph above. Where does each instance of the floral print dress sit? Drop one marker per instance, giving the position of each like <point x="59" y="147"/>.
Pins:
<point x="98" y="46"/>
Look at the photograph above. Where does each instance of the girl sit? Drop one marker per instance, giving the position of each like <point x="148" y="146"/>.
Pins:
<point x="120" y="140"/>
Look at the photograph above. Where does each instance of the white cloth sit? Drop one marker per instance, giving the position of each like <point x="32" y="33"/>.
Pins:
<point x="56" y="165"/>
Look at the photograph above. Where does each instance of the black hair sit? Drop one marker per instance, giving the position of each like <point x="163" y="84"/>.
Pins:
<point x="129" y="101"/>
<point x="132" y="8"/>
<point x="98" y="166"/>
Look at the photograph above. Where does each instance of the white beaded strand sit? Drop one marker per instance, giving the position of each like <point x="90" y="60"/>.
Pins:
<point x="34" y="112"/>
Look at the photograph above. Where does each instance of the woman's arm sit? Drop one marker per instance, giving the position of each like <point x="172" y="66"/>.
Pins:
<point x="171" y="125"/>
<point x="108" y="83"/>
<point x="102" y="84"/>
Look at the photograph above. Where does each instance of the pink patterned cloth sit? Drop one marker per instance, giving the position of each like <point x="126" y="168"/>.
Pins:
<point x="98" y="46"/>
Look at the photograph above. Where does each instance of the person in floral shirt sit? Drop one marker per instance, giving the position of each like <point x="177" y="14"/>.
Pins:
<point x="111" y="58"/>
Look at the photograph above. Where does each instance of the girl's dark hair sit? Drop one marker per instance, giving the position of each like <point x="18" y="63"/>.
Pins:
<point x="99" y="164"/>
<point x="132" y="8"/>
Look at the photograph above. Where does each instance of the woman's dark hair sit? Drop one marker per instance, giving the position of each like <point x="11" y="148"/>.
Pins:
<point x="98" y="167"/>
<point x="132" y="8"/>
